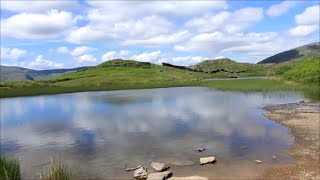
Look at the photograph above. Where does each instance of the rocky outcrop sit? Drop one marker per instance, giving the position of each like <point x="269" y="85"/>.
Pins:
<point x="141" y="173"/>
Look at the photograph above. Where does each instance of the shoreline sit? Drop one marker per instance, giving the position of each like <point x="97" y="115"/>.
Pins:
<point x="303" y="120"/>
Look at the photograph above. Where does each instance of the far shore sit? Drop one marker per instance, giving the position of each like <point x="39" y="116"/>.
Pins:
<point x="303" y="119"/>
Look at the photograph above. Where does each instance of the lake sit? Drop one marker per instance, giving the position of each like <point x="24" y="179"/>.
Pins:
<point x="100" y="134"/>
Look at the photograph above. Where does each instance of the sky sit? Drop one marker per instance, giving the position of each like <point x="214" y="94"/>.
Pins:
<point x="65" y="34"/>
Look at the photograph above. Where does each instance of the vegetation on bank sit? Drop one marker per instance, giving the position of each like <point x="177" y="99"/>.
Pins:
<point x="9" y="168"/>
<point x="306" y="71"/>
<point x="56" y="171"/>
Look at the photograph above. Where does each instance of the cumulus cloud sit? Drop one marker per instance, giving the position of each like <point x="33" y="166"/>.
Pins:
<point x="37" y="26"/>
<point x="78" y="51"/>
<point x="310" y="16"/>
<point x="281" y="8"/>
<point x="236" y="21"/>
<point x="36" y="6"/>
<point x="90" y="34"/>
<point x="154" y="57"/>
<point x="187" y="60"/>
<point x="109" y="56"/>
<point x="307" y="22"/>
<point x="218" y="41"/>
<point x="40" y="63"/>
<point x="12" y="53"/>
<point x="303" y="30"/>
<point x="159" y="40"/>
<point x="112" y="11"/>
<point x="86" y="58"/>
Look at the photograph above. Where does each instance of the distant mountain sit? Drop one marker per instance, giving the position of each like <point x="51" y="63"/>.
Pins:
<point x="296" y="54"/>
<point x="13" y="73"/>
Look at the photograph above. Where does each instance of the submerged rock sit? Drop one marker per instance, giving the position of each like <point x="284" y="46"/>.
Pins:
<point x="141" y="173"/>
<point x="134" y="168"/>
<point x="178" y="161"/>
<point x="206" y="160"/>
<point x="159" y="175"/>
<point x="243" y="147"/>
<point x="274" y="157"/>
<point x="258" y="161"/>
<point x="189" y="178"/>
<point x="159" y="166"/>
<point x="202" y="149"/>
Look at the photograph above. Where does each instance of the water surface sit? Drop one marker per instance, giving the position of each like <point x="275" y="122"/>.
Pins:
<point x="99" y="134"/>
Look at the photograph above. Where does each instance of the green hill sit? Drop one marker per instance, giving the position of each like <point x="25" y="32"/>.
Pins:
<point x="306" y="71"/>
<point x="227" y="65"/>
<point x="296" y="54"/>
<point x="12" y="73"/>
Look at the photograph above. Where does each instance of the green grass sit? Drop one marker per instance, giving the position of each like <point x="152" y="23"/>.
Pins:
<point x="125" y="74"/>
<point x="9" y="168"/>
<point x="306" y="71"/>
<point x="56" y="171"/>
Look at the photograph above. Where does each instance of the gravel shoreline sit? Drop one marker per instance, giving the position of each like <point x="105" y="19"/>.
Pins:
<point x="303" y="119"/>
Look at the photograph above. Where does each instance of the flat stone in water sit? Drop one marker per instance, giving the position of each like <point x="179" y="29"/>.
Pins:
<point x="159" y="166"/>
<point x="206" y="160"/>
<point x="159" y="175"/>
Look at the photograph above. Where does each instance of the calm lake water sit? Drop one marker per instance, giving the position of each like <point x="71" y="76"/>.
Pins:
<point x="99" y="134"/>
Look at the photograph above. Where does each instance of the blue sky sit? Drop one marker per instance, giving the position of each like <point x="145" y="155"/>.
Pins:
<point x="65" y="34"/>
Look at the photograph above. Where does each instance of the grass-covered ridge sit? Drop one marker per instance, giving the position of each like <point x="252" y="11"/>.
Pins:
<point x="306" y="71"/>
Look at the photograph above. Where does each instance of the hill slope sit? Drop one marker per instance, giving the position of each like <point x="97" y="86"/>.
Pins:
<point x="306" y="71"/>
<point x="227" y="65"/>
<point x="12" y="73"/>
<point x="296" y="54"/>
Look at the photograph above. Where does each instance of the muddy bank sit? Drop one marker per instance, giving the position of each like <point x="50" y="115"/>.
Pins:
<point x="303" y="119"/>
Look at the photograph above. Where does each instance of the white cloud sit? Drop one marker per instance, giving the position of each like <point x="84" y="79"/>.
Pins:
<point x="219" y="57"/>
<point x="12" y="53"/>
<point x="217" y="41"/>
<point x="36" y="6"/>
<point x="281" y="8"/>
<point x="37" y="26"/>
<point x="310" y="16"/>
<point x="41" y="63"/>
<point x="78" y="51"/>
<point x="157" y="57"/>
<point x="86" y="58"/>
<point x="303" y="30"/>
<point x="119" y="10"/>
<point x="154" y="57"/>
<point x="236" y="21"/>
<point x="89" y="34"/>
<point x="109" y="56"/>
<point x="187" y="60"/>
<point x="307" y="22"/>
<point x="159" y="40"/>
<point x="63" y="50"/>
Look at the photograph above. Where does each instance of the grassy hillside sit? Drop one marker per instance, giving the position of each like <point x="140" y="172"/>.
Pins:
<point x="12" y="73"/>
<point x="235" y="68"/>
<point x="306" y="71"/>
<point x="296" y="54"/>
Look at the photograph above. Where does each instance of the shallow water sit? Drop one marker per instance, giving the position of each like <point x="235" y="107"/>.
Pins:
<point x="99" y="134"/>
